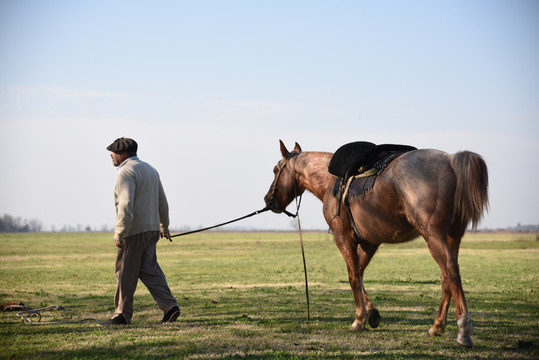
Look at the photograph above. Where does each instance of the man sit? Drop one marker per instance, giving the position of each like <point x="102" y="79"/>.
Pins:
<point x="141" y="219"/>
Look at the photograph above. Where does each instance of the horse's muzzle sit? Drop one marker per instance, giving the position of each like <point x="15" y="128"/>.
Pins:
<point x="270" y="204"/>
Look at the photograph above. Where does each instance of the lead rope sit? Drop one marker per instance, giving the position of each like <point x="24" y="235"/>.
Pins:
<point x="222" y="224"/>
<point x="33" y="316"/>
<point x="273" y="186"/>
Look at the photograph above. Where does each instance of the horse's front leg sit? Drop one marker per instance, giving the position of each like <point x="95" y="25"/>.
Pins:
<point x="366" y="252"/>
<point x="348" y="248"/>
<point x="361" y="310"/>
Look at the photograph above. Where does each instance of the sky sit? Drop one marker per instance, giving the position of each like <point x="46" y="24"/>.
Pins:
<point x="207" y="89"/>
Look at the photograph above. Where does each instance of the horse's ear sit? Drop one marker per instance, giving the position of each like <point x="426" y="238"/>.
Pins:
<point x="297" y="148"/>
<point x="284" y="151"/>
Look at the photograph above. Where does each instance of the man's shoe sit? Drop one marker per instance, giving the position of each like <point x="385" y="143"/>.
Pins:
<point x="171" y="315"/>
<point x="117" y="320"/>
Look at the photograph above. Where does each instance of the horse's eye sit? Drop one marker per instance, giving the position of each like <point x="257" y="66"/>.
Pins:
<point x="275" y="170"/>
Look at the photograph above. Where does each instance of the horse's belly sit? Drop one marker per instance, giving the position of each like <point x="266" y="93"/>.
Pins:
<point x="379" y="235"/>
<point x="394" y="237"/>
<point x="382" y="227"/>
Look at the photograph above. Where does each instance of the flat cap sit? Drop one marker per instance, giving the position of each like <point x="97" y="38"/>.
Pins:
<point x="123" y="144"/>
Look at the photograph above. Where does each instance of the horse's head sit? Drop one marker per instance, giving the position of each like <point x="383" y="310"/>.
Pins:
<point x="284" y="187"/>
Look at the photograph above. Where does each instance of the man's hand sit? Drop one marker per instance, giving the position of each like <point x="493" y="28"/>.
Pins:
<point x="166" y="235"/>
<point x="119" y="243"/>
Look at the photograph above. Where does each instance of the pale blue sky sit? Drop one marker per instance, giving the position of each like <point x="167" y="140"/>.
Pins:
<point x="208" y="88"/>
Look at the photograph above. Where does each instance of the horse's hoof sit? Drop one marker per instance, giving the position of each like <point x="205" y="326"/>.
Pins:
<point x="465" y="341"/>
<point x="465" y="330"/>
<point x="433" y="331"/>
<point x="373" y="317"/>
<point x="357" y="326"/>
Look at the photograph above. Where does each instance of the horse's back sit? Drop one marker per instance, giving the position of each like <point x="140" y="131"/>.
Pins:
<point x="414" y="186"/>
<point x="419" y="171"/>
<point x="424" y="181"/>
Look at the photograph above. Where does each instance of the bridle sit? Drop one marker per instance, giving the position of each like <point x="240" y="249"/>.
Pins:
<point x="276" y="181"/>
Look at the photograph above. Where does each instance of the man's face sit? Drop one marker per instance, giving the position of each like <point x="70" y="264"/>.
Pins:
<point x="117" y="158"/>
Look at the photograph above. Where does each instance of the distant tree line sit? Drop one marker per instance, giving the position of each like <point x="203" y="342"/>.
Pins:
<point x="9" y="223"/>
<point x="521" y="227"/>
<point x="12" y="224"/>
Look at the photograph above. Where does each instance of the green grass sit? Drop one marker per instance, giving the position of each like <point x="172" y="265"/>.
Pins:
<point x="242" y="297"/>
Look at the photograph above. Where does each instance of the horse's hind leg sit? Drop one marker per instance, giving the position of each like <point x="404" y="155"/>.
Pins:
<point x="440" y="322"/>
<point x="451" y="286"/>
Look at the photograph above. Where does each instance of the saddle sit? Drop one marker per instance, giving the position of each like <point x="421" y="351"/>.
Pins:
<point x="357" y="164"/>
<point x="354" y="158"/>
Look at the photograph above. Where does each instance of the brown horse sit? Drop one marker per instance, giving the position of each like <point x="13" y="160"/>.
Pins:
<point x="422" y="192"/>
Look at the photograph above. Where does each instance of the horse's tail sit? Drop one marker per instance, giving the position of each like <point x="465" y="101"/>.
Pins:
<point x="471" y="194"/>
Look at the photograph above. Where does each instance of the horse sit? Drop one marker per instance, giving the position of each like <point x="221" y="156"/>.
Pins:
<point x="423" y="192"/>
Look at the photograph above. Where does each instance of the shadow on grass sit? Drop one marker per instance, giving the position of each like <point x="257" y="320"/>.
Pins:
<point x="154" y="350"/>
<point x="237" y="350"/>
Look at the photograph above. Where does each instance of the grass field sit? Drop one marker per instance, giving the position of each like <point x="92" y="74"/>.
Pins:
<point x="242" y="297"/>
